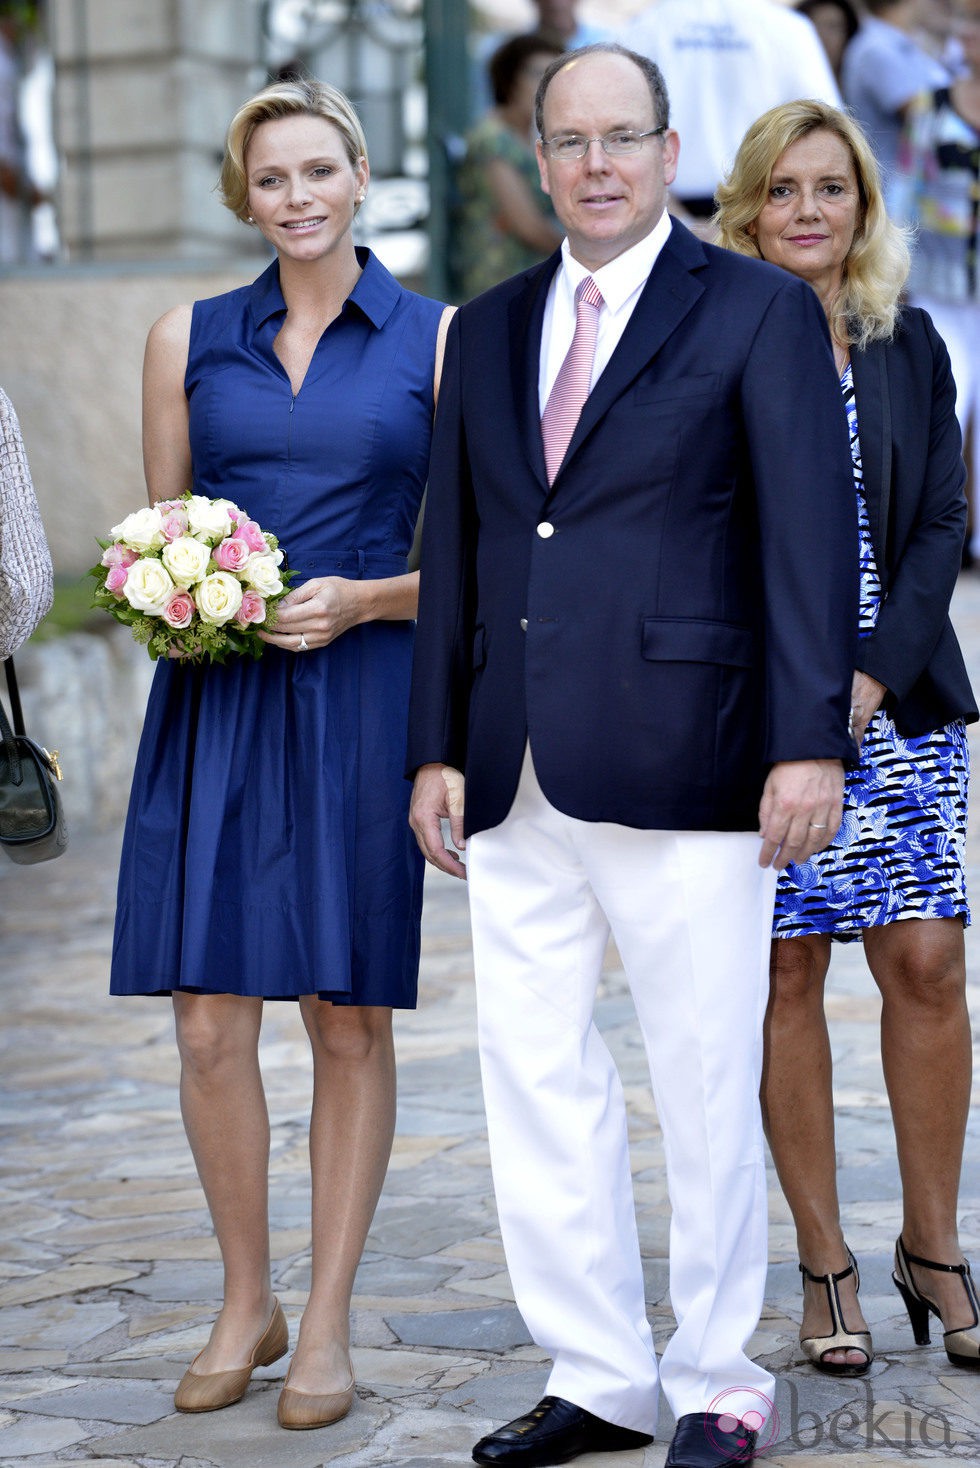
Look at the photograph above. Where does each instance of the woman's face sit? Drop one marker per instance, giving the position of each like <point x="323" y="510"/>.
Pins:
<point x="524" y="89"/>
<point x="302" y="187"/>
<point x="812" y="210"/>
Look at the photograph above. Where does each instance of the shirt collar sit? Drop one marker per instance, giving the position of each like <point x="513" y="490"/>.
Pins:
<point x="619" y="280"/>
<point x="375" y="294"/>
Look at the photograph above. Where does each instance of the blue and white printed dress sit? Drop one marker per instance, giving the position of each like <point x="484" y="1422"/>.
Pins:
<point x="900" y="850"/>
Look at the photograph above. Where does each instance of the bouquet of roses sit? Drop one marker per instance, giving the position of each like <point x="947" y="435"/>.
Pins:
<point x="192" y="577"/>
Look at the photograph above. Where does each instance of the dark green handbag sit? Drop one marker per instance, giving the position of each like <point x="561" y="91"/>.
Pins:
<point x="32" y="822"/>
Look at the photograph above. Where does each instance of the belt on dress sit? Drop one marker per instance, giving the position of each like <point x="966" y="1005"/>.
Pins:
<point x="355" y="564"/>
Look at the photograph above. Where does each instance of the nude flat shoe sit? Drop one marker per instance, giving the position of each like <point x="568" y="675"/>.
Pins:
<point x="200" y="1392"/>
<point x="302" y="1410"/>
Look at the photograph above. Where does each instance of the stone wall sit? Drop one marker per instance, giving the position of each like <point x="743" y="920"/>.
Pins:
<point x="143" y="94"/>
<point x="71" y="357"/>
<point x="84" y="695"/>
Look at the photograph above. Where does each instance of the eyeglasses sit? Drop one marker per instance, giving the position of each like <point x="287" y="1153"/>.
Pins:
<point x="567" y="147"/>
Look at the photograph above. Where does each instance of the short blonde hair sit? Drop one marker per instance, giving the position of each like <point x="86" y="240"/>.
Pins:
<point x="284" y="99"/>
<point x="877" y="263"/>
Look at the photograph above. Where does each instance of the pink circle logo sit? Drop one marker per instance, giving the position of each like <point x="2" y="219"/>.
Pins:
<point x="728" y="1429"/>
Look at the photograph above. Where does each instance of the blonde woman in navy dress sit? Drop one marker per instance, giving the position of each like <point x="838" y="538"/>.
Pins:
<point x="267" y="852"/>
<point x="804" y="193"/>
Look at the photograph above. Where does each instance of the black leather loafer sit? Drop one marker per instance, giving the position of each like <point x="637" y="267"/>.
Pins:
<point x="555" y="1431"/>
<point x="699" y="1442"/>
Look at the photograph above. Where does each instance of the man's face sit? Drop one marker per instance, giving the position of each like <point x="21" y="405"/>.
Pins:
<point x="605" y="205"/>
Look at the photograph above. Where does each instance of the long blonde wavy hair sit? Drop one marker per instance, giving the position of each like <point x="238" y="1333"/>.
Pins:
<point x="877" y="263"/>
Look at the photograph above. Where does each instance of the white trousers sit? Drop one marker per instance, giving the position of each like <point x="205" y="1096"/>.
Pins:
<point x="691" y="913"/>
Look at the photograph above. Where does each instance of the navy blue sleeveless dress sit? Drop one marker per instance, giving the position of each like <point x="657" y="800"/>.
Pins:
<point x="267" y="849"/>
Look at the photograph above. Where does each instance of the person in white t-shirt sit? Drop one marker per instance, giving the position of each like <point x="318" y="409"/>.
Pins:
<point x="725" y="62"/>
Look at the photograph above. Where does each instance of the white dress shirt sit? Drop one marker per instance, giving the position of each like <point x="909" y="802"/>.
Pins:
<point x="620" y="282"/>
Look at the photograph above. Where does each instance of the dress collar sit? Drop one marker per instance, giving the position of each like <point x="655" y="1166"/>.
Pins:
<point x="374" y="296"/>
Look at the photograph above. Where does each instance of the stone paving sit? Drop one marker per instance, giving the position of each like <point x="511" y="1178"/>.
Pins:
<point x="109" y="1273"/>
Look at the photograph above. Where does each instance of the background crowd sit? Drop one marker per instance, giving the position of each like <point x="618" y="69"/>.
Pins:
<point x="842" y="146"/>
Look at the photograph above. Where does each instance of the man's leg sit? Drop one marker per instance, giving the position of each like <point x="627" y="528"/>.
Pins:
<point x="556" y="1113"/>
<point x="691" y="913"/>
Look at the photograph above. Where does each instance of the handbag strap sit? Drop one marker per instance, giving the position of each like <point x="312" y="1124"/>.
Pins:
<point x="16" y="712"/>
<point x="8" y="737"/>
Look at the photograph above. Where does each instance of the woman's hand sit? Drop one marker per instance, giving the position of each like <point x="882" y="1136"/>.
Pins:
<point x="866" y="698"/>
<point x="317" y="613"/>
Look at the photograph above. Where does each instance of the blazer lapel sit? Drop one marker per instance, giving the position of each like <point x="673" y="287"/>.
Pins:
<point x="525" y="320"/>
<point x="672" y="289"/>
<point x="870" y="371"/>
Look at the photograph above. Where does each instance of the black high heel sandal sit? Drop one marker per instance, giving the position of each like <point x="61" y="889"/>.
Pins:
<point x="962" y="1348"/>
<point x="816" y="1347"/>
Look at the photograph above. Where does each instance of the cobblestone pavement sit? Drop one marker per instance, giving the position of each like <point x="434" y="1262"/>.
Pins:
<point x="109" y="1273"/>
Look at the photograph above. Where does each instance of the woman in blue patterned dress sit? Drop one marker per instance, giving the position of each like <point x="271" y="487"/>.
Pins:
<point x="804" y="194"/>
<point x="267" y="853"/>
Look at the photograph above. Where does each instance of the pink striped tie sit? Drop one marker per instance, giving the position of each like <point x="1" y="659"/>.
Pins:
<point x="574" y="378"/>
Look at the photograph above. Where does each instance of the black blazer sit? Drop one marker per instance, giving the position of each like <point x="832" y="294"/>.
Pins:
<point x="689" y="615"/>
<point x="914" y="477"/>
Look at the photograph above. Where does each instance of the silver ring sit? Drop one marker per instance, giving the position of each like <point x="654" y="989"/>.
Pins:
<point x="304" y="646"/>
<point x="815" y="826"/>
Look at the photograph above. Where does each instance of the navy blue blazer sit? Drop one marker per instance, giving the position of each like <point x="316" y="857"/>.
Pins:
<point x="689" y="618"/>
<point x="913" y="477"/>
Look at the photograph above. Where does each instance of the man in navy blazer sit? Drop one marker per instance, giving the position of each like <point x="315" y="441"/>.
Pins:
<point x="641" y="670"/>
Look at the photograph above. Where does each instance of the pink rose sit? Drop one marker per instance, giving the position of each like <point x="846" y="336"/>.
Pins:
<point x="253" y="537"/>
<point x="178" y="611"/>
<point x="237" y="517"/>
<point x="231" y="554"/>
<point x="252" y="609"/>
<point x="116" y="579"/>
<point x="118" y="555"/>
<point x="174" y="524"/>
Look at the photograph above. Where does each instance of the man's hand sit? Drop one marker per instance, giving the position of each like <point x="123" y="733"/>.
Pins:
<point x="800" y="811"/>
<point x="437" y="795"/>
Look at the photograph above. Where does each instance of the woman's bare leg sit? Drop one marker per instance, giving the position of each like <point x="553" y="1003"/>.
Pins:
<point x="798" y="1114"/>
<point x="351" y="1131"/>
<point x="920" y="967"/>
<point x="223" y="1105"/>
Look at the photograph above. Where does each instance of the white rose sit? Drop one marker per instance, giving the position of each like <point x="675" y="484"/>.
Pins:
<point x="209" y="519"/>
<point x="262" y="573"/>
<point x="141" y="531"/>
<point x="186" y="559"/>
<point x="148" y="586"/>
<point x="218" y="598"/>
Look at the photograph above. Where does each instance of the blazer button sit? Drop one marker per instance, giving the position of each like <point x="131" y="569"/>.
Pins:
<point x="523" y="624"/>
<point x="546" y="529"/>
